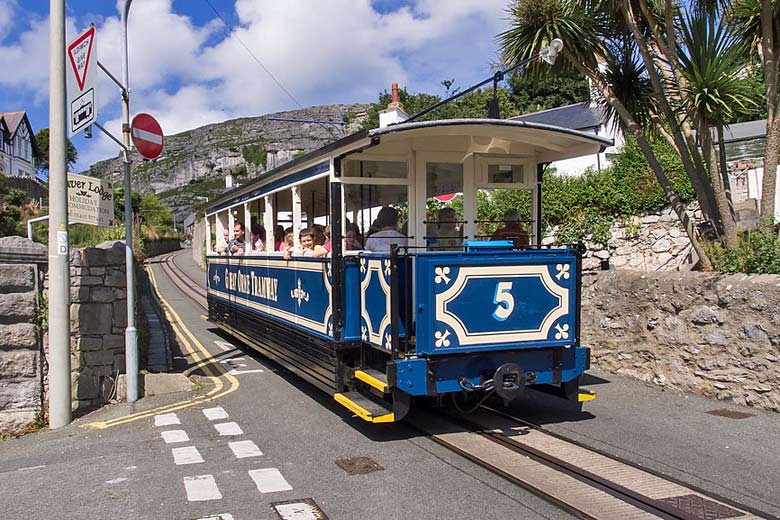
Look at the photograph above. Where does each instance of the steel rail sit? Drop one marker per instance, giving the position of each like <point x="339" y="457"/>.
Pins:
<point x="179" y="280"/>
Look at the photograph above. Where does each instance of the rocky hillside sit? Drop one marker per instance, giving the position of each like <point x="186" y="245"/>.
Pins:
<point x="194" y="163"/>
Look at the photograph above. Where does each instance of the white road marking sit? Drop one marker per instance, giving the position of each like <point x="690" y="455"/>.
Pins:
<point x="166" y="419"/>
<point x="31" y="467"/>
<point x="228" y="428"/>
<point x="235" y="372"/>
<point x="202" y="487"/>
<point x="269" y="480"/>
<point x="297" y="511"/>
<point x="224" y="345"/>
<point x="186" y="455"/>
<point x="115" y="481"/>
<point x="230" y="361"/>
<point x="131" y="467"/>
<point x="221" y="516"/>
<point x="244" y="449"/>
<point x="172" y="436"/>
<point x="214" y="414"/>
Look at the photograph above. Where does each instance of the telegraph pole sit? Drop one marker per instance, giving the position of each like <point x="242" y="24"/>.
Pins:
<point x="131" y="334"/>
<point x="59" y="269"/>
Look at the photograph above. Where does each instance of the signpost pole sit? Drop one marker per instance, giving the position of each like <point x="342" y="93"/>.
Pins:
<point x="131" y="334"/>
<point x="59" y="272"/>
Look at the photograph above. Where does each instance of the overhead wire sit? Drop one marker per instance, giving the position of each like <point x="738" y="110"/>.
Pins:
<point x="257" y="60"/>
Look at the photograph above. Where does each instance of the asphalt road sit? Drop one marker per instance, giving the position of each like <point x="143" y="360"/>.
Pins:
<point x="271" y="438"/>
<point x="268" y="437"/>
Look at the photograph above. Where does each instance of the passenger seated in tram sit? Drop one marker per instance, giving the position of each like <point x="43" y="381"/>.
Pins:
<point x="237" y="246"/>
<point x="354" y="240"/>
<point x="309" y="247"/>
<point x="387" y="234"/>
<point x="220" y="247"/>
<point x="279" y="244"/>
<point x="513" y="230"/>
<point x="445" y="233"/>
<point x="258" y="238"/>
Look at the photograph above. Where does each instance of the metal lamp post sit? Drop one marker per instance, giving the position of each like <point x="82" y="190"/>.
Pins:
<point x="131" y="334"/>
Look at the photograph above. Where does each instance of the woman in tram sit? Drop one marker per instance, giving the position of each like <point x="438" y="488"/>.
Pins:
<point x="387" y="234"/>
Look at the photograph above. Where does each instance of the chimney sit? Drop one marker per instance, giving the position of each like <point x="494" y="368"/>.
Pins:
<point x="394" y="112"/>
<point x="228" y="180"/>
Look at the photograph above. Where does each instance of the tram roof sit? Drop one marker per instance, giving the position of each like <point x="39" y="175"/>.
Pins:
<point x="549" y="143"/>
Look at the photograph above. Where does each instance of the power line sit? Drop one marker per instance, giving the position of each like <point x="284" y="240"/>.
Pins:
<point x="260" y="63"/>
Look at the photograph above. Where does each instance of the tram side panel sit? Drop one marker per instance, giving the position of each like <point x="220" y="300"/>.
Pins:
<point x="510" y="317"/>
<point x="281" y="308"/>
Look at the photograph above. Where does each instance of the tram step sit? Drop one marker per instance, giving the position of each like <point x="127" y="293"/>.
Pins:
<point x="373" y="378"/>
<point x="364" y="407"/>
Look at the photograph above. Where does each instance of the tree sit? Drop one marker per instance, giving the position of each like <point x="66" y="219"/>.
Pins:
<point x="42" y="157"/>
<point x="631" y="53"/>
<point x="758" y="21"/>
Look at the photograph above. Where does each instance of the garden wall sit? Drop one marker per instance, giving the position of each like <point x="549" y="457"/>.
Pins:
<point x="716" y="335"/>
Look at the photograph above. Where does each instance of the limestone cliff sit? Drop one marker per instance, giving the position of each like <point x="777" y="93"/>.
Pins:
<point x="195" y="162"/>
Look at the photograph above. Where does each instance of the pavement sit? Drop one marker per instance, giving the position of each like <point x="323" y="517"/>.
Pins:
<point x="258" y="437"/>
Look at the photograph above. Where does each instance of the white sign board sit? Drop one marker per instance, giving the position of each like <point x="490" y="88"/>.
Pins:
<point x="81" y="62"/>
<point x="90" y="200"/>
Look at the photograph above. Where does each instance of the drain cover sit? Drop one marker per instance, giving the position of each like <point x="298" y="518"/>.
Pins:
<point x="358" y="465"/>
<point x="731" y="414"/>
<point x="300" y="509"/>
<point x="700" y="507"/>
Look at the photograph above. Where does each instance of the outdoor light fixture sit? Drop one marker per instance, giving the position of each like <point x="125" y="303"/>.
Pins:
<point x="548" y="54"/>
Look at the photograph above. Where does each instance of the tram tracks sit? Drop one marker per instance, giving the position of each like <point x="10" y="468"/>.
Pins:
<point x="587" y="483"/>
<point x="583" y="481"/>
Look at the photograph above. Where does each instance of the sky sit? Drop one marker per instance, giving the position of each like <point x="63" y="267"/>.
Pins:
<point x="187" y="69"/>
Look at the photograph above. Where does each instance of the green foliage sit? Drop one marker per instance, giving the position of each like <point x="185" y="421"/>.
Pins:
<point x="240" y="170"/>
<point x="42" y="143"/>
<point x="11" y="201"/>
<point x="85" y="235"/>
<point x="255" y="154"/>
<point x="754" y="252"/>
<point x="41" y="316"/>
<point x="15" y="197"/>
<point x="153" y="213"/>
<point x="531" y="94"/>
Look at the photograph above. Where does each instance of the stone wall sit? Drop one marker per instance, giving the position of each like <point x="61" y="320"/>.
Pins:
<point x="98" y="315"/>
<point x="22" y="268"/>
<point x="161" y="246"/>
<point x="199" y="243"/>
<point x="711" y="334"/>
<point x="653" y="241"/>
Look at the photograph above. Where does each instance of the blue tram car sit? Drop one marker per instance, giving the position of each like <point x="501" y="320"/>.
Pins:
<point x="440" y="298"/>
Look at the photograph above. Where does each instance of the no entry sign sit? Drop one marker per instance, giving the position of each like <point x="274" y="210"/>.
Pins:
<point x="147" y="136"/>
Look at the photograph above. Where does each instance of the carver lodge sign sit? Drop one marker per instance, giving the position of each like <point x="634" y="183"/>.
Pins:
<point x="90" y="200"/>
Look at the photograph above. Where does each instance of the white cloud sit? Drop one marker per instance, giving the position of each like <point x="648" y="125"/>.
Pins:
<point x="7" y="11"/>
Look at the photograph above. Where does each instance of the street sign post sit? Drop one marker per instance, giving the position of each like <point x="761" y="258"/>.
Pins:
<point x="90" y="200"/>
<point x="82" y="99"/>
<point x="147" y="136"/>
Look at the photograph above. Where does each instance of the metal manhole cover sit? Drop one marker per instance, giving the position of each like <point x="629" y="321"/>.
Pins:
<point x="300" y="509"/>
<point x="700" y="507"/>
<point x="731" y="414"/>
<point x="359" y="465"/>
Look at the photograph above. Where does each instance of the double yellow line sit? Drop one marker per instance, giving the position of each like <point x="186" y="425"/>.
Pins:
<point x="203" y="360"/>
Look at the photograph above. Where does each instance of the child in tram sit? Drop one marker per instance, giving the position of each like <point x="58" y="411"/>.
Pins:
<point x="308" y="245"/>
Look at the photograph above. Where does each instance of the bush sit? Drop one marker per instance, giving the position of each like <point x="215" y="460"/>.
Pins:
<point x="755" y="252"/>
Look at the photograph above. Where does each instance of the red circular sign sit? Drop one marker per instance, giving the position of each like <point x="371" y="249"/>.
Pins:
<point x="147" y="136"/>
<point x="445" y="198"/>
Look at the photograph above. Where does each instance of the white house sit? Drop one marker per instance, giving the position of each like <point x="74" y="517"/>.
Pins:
<point x="17" y="145"/>
<point x="586" y="117"/>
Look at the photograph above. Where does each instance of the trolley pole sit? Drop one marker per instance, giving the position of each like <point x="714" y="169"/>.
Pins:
<point x="131" y="334"/>
<point x="59" y="268"/>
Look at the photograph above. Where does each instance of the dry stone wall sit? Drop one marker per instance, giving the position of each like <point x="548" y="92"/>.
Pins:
<point x="652" y="241"/>
<point x="22" y="268"/>
<point x="716" y="335"/>
<point x="98" y="315"/>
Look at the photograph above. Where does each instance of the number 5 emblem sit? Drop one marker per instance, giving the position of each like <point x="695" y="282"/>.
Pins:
<point x="505" y="301"/>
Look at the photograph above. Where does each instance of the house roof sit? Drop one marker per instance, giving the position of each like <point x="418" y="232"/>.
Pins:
<point x="12" y="120"/>
<point x="190" y="220"/>
<point x="579" y="116"/>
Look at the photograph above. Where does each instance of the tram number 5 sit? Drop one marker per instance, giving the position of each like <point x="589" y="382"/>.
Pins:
<point x="505" y="301"/>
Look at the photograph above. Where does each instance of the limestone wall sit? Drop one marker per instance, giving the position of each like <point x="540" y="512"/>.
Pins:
<point x="98" y="315"/>
<point x="712" y="334"/>
<point x="22" y="267"/>
<point x="653" y="241"/>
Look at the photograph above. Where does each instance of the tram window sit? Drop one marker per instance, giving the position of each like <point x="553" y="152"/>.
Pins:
<point x="363" y="203"/>
<point x="444" y="206"/>
<point x="377" y="169"/>
<point x="506" y="173"/>
<point x="505" y="214"/>
<point x="257" y="232"/>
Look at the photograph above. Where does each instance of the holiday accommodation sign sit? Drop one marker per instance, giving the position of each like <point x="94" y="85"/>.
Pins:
<point x="90" y="200"/>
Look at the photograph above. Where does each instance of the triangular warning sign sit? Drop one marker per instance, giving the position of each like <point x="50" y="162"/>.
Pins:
<point x="79" y="53"/>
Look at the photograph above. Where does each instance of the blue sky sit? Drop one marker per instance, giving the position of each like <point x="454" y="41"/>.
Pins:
<point x="187" y="70"/>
